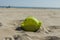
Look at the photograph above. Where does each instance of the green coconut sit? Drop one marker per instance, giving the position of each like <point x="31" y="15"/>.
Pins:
<point x="31" y="24"/>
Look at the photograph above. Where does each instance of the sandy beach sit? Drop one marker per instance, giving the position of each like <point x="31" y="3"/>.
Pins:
<point x="10" y="19"/>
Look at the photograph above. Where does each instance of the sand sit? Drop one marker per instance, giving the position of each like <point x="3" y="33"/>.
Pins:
<point x="11" y="18"/>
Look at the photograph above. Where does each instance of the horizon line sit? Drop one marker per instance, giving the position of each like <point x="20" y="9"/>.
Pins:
<point x="29" y="7"/>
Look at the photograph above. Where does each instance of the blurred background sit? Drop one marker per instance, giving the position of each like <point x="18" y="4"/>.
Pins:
<point x="30" y="3"/>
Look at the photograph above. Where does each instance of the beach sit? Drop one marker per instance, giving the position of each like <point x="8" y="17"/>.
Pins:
<point x="11" y="18"/>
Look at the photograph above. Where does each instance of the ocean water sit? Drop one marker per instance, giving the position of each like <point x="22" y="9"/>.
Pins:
<point x="29" y="7"/>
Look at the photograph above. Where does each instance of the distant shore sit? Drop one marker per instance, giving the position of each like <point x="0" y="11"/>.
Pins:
<point x="29" y="7"/>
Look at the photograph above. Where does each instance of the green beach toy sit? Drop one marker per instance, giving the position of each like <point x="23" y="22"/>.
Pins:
<point x="31" y="24"/>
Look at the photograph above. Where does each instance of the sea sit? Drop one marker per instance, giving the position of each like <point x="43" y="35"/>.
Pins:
<point x="29" y="7"/>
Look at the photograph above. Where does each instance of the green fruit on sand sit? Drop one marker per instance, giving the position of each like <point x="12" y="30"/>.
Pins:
<point x="31" y="24"/>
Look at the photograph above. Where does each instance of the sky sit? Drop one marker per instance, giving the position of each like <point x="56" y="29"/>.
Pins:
<point x="31" y="3"/>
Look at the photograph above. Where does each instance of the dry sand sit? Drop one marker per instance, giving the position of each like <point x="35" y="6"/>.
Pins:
<point x="10" y="19"/>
